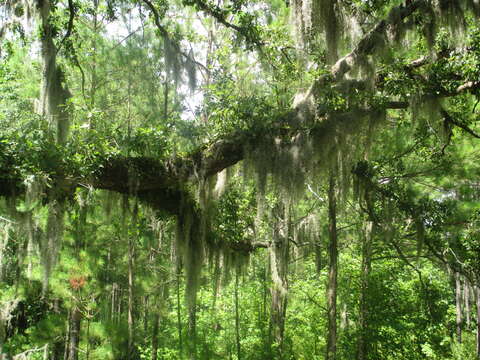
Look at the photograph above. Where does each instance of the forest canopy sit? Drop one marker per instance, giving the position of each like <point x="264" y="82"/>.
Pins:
<point x="239" y="179"/>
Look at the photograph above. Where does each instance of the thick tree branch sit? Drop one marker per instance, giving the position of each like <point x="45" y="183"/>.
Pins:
<point x="162" y="183"/>
<point x="369" y="44"/>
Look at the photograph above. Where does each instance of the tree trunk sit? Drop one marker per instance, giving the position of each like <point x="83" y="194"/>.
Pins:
<point x="74" y="323"/>
<point x="165" y="97"/>
<point x="192" y="331"/>
<point x="318" y="257"/>
<point x="87" y="351"/>
<point x="67" y="338"/>
<point x="58" y="344"/>
<point x="331" y="351"/>
<point x="237" y="318"/>
<point x="3" y="326"/>
<point x="93" y="79"/>
<point x="131" y="255"/>
<point x="209" y="59"/>
<point x="74" y="333"/>
<point x="365" y="275"/>
<point x="179" y="315"/>
<point x="458" y="306"/>
<point x="145" y="314"/>
<point x="156" y="322"/>
<point x="113" y="303"/>
<point x="466" y="298"/>
<point x="279" y="256"/>
<point x="54" y="96"/>
<point x="477" y="297"/>
<point x="263" y="315"/>
<point x="162" y="295"/>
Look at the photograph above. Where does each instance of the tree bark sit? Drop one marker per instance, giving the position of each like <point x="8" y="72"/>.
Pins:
<point x="362" y="345"/>
<point x="279" y="257"/>
<point x="74" y="333"/>
<point x="466" y="298"/>
<point x="331" y="350"/>
<point x="162" y="295"/>
<point x="156" y="322"/>
<point x="131" y="262"/>
<point x="192" y="331"/>
<point x="458" y="306"/>
<point x="93" y="79"/>
<point x="179" y="313"/>
<point x="318" y="257"/>
<point x="477" y="298"/>
<point x="54" y="96"/>
<point x="237" y="318"/>
<point x="74" y="323"/>
<point x="58" y="344"/>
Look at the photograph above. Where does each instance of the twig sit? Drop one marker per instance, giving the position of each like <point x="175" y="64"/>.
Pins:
<point x="166" y="36"/>
<point x="71" y="9"/>
<point x="24" y="355"/>
<point x="451" y="120"/>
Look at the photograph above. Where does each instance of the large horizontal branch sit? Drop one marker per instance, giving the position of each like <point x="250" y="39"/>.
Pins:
<point x="162" y="183"/>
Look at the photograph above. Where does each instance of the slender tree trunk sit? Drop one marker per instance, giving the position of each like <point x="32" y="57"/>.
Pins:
<point x="466" y="298"/>
<point x="192" y="331"/>
<point x="212" y="31"/>
<point x="344" y="320"/>
<point x="67" y="338"/>
<point x="93" y="84"/>
<point x="165" y="97"/>
<point x="263" y="317"/>
<point x="477" y="298"/>
<point x="93" y="79"/>
<point x="87" y="352"/>
<point x="156" y="322"/>
<point x="279" y="256"/>
<point x="331" y="351"/>
<point x="58" y="345"/>
<point x="237" y="318"/>
<point x="364" y="282"/>
<point x="3" y="326"/>
<point x="318" y="257"/>
<point x="179" y="315"/>
<point x="74" y="333"/>
<point x="145" y="314"/>
<point x="75" y="317"/>
<point x="113" y="302"/>
<point x="160" y="297"/>
<point x="458" y="306"/>
<point x="131" y="259"/>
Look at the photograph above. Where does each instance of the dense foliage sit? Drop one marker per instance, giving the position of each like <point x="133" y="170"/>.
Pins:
<point x="239" y="179"/>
